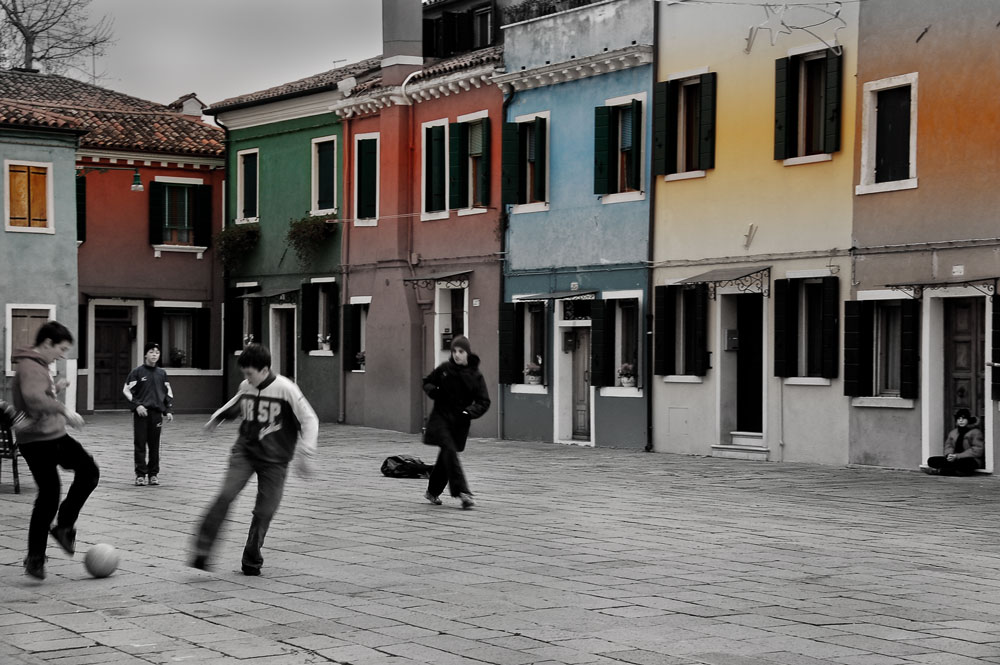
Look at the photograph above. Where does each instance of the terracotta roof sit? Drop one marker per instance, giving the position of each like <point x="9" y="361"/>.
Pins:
<point x="484" y="56"/>
<point x="22" y="115"/>
<point x="113" y="120"/>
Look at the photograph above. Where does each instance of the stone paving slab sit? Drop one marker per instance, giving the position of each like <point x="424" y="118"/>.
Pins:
<point x="572" y="556"/>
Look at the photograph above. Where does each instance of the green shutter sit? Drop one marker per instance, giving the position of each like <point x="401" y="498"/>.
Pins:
<point x="434" y="169"/>
<point x="706" y="125"/>
<point x="830" y="333"/>
<point x="832" y="103"/>
<point x="201" y="219"/>
<point x="511" y="183"/>
<point x="698" y="342"/>
<point x="367" y="178"/>
<point x="310" y="316"/>
<point x="81" y="337"/>
<point x="249" y="185"/>
<point x="665" y="331"/>
<point x="233" y="320"/>
<point x="350" y="342"/>
<point x="458" y="165"/>
<point x="665" y="128"/>
<point x="858" y="346"/>
<point x="484" y="164"/>
<point x="157" y="211"/>
<point x="635" y="154"/>
<point x="909" y="366"/>
<point x="786" y="96"/>
<point x="81" y="212"/>
<point x="604" y="158"/>
<point x="786" y="311"/>
<point x="509" y="369"/>
<point x="325" y="169"/>
<point x="602" y="343"/>
<point x="540" y="165"/>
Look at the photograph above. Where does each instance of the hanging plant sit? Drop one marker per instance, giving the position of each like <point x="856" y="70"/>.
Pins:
<point x="234" y="242"/>
<point x="306" y="235"/>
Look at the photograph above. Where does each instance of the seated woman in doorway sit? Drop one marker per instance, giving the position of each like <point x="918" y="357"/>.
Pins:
<point x="963" y="449"/>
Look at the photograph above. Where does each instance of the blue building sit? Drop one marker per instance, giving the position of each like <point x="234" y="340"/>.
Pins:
<point x="576" y="189"/>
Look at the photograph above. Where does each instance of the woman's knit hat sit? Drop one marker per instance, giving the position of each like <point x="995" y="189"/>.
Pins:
<point x="461" y="342"/>
<point x="965" y="413"/>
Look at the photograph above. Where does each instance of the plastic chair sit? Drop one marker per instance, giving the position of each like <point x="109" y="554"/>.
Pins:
<point x="8" y="450"/>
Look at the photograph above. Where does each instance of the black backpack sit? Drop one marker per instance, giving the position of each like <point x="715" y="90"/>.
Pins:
<point x="405" y="466"/>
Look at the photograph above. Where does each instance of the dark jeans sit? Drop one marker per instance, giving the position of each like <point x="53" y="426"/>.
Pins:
<point x="270" y="487"/>
<point x="44" y="458"/>
<point x="146" y="434"/>
<point x="963" y="466"/>
<point x="447" y="471"/>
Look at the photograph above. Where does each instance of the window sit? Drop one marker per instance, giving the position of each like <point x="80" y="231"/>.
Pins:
<point x="451" y="312"/>
<point x="684" y="124"/>
<point x="175" y="329"/>
<point x="435" y="164"/>
<point x="614" y="335"/>
<point x="468" y="164"/>
<point x="366" y="179"/>
<point x="618" y="147"/>
<point x="244" y="317"/>
<point x="452" y="33"/>
<point x="889" y="139"/>
<point x="524" y="159"/>
<point x="355" y="327"/>
<point x="482" y="27"/>
<point x="806" y="327"/>
<point x="807" y="104"/>
<point x="246" y="188"/>
<point x="523" y="342"/>
<point x="28" y="205"/>
<point x="324" y="175"/>
<point x="681" y="330"/>
<point x="881" y="354"/>
<point x="180" y="212"/>
<point x="319" y="316"/>
<point x="23" y="322"/>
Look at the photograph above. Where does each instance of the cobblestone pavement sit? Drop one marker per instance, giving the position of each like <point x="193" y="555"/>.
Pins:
<point x="572" y="556"/>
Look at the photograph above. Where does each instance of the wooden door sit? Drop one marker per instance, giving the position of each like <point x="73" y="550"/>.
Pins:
<point x="581" y="385"/>
<point x="964" y="350"/>
<point x="112" y="357"/>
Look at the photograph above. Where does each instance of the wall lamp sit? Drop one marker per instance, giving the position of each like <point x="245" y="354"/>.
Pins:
<point x="136" y="179"/>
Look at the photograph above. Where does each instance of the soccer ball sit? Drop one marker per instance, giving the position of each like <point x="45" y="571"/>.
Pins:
<point x="101" y="560"/>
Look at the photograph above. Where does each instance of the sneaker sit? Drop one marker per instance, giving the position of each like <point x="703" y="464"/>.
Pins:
<point x="66" y="537"/>
<point x="200" y="561"/>
<point x="35" y="566"/>
<point x="140" y="481"/>
<point x="250" y="571"/>
<point x="930" y="471"/>
<point x="433" y="499"/>
<point x="153" y="480"/>
<point x="467" y="501"/>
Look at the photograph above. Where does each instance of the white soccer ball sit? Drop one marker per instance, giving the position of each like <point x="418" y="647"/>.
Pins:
<point x="101" y="560"/>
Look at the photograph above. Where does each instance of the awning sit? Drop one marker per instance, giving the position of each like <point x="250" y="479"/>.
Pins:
<point x="748" y="279"/>
<point x="562" y="295"/>
<point x="427" y="281"/>
<point x="985" y="285"/>
<point x="269" y="293"/>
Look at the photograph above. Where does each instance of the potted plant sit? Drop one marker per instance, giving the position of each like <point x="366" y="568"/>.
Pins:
<point x="533" y="373"/>
<point x="305" y="236"/>
<point x="248" y="339"/>
<point x="323" y="341"/>
<point x="233" y="243"/>
<point x="626" y="374"/>
<point x="359" y="358"/>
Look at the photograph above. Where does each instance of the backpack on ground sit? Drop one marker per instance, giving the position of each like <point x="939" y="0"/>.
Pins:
<point x="405" y="466"/>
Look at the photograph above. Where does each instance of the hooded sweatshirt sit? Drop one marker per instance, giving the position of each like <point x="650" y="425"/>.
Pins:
<point x="35" y="396"/>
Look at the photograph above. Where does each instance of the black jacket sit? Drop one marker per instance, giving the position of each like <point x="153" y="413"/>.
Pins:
<point x="460" y="395"/>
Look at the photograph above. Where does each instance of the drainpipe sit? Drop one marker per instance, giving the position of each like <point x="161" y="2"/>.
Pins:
<point x="504" y="219"/>
<point x="345" y="268"/>
<point x="650" y="283"/>
<point x="225" y="273"/>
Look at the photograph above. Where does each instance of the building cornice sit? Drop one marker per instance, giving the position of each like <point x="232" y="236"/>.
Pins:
<point x="576" y="68"/>
<point x="264" y="113"/>
<point x="149" y="159"/>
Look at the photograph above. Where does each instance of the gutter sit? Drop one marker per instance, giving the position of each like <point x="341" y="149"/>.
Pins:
<point x="504" y="223"/>
<point x="650" y="283"/>
<point x="225" y="273"/>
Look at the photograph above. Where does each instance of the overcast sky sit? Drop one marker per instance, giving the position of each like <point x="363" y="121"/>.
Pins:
<point x="223" y="48"/>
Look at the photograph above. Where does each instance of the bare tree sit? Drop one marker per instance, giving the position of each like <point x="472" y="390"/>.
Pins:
<point x="51" y="33"/>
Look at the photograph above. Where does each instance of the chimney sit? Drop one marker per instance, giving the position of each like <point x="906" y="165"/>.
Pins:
<point x="402" y="39"/>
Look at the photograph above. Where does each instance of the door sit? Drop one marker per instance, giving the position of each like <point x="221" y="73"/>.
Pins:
<point x="749" y="363"/>
<point x="283" y="341"/>
<point x="964" y="357"/>
<point x="581" y="385"/>
<point x="112" y="356"/>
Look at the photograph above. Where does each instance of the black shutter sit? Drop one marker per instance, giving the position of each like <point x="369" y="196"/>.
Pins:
<point x="698" y="342"/>
<point x="233" y="321"/>
<point x="249" y="185"/>
<point x="367" y="175"/>
<point x="331" y="314"/>
<point x="458" y="165"/>
<point x="665" y="330"/>
<point x="909" y="366"/>
<point x="81" y="208"/>
<point x="463" y="32"/>
<point x="511" y="182"/>
<point x="310" y="316"/>
<point x="430" y="40"/>
<point x="257" y="310"/>
<point x="154" y="328"/>
<point x="665" y="128"/>
<point x="350" y="343"/>
<point x="830" y="333"/>
<point x="858" y="348"/>
<point x="484" y="165"/>
<point x="448" y="43"/>
<point x="832" y="101"/>
<point x="540" y="167"/>
<point x="81" y="334"/>
<point x="602" y="343"/>
<point x="509" y="361"/>
<point x="786" y="97"/>
<point x="201" y="329"/>
<point x="157" y="211"/>
<point x="434" y="169"/>
<point x="325" y="169"/>
<point x="706" y="125"/>
<point x="603" y="150"/>
<point x="635" y="154"/>
<point x="201" y="221"/>
<point x="786" y="317"/>
<point x="892" y="135"/>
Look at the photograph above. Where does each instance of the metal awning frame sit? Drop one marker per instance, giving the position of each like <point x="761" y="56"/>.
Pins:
<point x="752" y="279"/>
<point x="449" y="280"/>
<point x="586" y="294"/>
<point x="985" y="285"/>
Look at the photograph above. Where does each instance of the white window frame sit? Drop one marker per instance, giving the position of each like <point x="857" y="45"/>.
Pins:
<point x="470" y="209"/>
<point x="618" y="390"/>
<point x="538" y="388"/>
<point x="362" y="326"/>
<point x="538" y="206"/>
<point x="314" y="208"/>
<point x="8" y="326"/>
<point x="50" y="227"/>
<point x="442" y="309"/>
<point x="691" y="74"/>
<point x="869" y="123"/>
<point x="426" y="215"/>
<point x="368" y="221"/>
<point x="322" y="303"/>
<point x="640" y="194"/>
<point x="240" y="189"/>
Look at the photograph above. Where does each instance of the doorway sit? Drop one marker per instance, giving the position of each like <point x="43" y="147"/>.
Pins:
<point x="964" y="357"/>
<point x="581" y="385"/>
<point x="113" y="336"/>
<point x="283" y="340"/>
<point x="749" y="363"/>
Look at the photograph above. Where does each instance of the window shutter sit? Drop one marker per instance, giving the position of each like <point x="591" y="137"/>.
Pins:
<point x="463" y="31"/>
<point x="449" y="41"/>
<point x="602" y="343"/>
<point x="603" y="153"/>
<point x="157" y="211"/>
<point x="892" y="135"/>
<point x="706" y="125"/>
<point x="665" y="331"/>
<point x="484" y="163"/>
<point x="350" y="343"/>
<point x="698" y="341"/>
<point x="830" y="334"/>
<point x="18" y="195"/>
<point x="858" y="346"/>
<point x="234" y="320"/>
<point x="430" y="41"/>
<point x="201" y="196"/>
<point x="81" y="326"/>
<point x="909" y="366"/>
<point x="786" y="316"/>
<point x="310" y="316"/>
<point x="996" y="346"/>
<point x="635" y="154"/>
<point x="508" y="360"/>
<point x="367" y="174"/>
<point x="332" y="310"/>
<point x="434" y="168"/>
<point x="325" y="170"/>
<point x="201" y="330"/>
<point x="540" y="166"/>
<point x="458" y="165"/>
<point x="785" y="107"/>
<point x="154" y="327"/>
<point x="250" y="185"/>
<point x="665" y="128"/>
<point x="257" y="310"/>
<point x="81" y="213"/>
<point x="832" y="101"/>
<point x="38" y="189"/>
<point x="511" y="180"/>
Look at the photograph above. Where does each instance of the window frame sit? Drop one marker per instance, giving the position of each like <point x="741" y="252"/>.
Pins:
<point x="607" y="347"/>
<point x="791" y="101"/>
<point x="9" y="327"/>
<point x="869" y="118"/>
<point x="525" y="174"/>
<point x="358" y="138"/>
<point x="518" y="339"/>
<point x="623" y="193"/>
<point x="320" y="316"/>
<point x="862" y="364"/>
<point x="794" y="337"/>
<point x="49" y="227"/>
<point x="434" y="164"/>
<point x="443" y="310"/>
<point x="670" y="139"/>
<point x="241" y="186"/>
<point x="462" y="169"/>
<point x="356" y="332"/>
<point x="680" y="336"/>
<point x="314" y="208"/>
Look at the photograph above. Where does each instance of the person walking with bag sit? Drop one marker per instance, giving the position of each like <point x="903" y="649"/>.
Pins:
<point x="460" y="396"/>
<point x="148" y="391"/>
